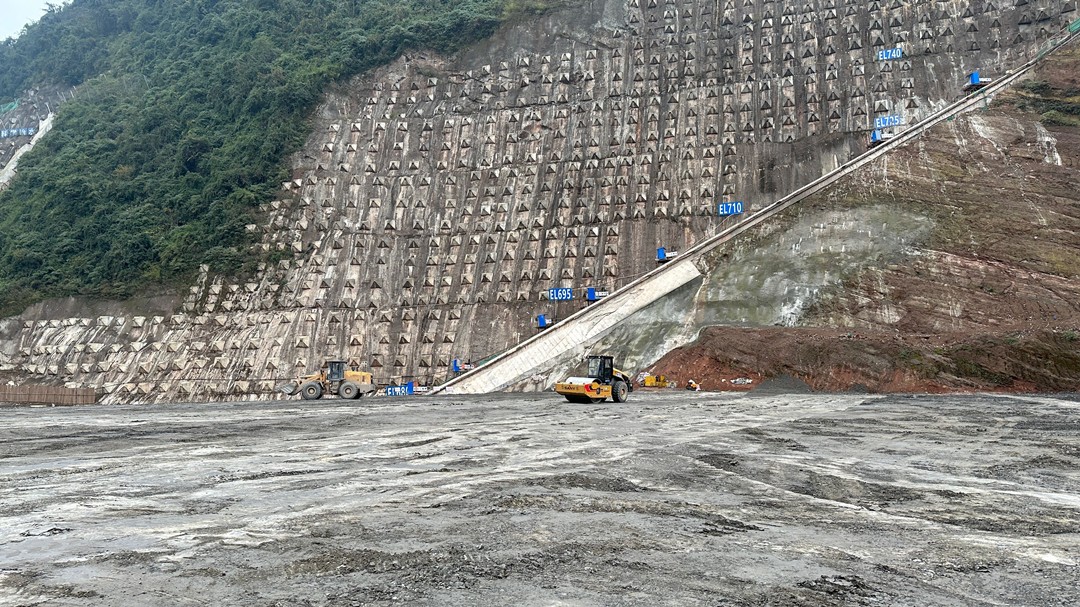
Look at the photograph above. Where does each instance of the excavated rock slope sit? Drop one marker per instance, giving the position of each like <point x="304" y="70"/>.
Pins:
<point x="985" y="295"/>
<point x="439" y="199"/>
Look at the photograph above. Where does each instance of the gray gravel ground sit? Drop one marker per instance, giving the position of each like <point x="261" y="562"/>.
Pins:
<point x="669" y="499"/>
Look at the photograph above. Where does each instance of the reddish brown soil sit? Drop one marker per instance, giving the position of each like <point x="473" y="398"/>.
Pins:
<point x="841" y="360"/>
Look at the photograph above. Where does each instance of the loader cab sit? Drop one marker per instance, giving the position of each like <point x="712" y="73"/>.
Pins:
<point x="602" y="368"/>
<point x="335" y="370"/>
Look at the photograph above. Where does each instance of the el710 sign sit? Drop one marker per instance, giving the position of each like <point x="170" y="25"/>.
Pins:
<point x="729" y="208"/>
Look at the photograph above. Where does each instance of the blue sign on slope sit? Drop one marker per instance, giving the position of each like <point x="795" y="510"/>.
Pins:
<point x="889" y="54"/>
<point x="729" y="208"/>
<point x="883" y="122"/>
<point x="560" y="294"/>
<point x="407" y="390"/>
<point x="24" y="132"/>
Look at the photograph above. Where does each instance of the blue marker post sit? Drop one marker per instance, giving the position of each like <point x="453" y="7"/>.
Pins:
<point x="592" y="294"/>
<point x="878" y="137"/>
<point x="975" y="82"/>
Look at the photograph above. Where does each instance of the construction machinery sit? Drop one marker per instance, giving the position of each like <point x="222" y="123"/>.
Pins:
<point x="655" y="381"/>
<point x="601" y="381"/>
<point x="333" y="378"/>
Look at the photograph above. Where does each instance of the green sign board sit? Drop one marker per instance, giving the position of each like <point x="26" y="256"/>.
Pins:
<point x="1075" y="26"/>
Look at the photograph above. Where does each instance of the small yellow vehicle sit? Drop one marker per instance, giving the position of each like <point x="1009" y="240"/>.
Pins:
<point x="655" y="381"/>
<point x="334" y="379"/>
<point x="602" y="381"/>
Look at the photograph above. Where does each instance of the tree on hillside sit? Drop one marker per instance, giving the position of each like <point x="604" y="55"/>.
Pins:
<point x="186" y="113"/>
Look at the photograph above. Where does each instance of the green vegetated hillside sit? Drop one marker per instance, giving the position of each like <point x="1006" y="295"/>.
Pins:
<point x="186" y="112"/>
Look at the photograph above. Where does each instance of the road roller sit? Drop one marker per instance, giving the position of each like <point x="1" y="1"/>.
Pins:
<point x="601" y="381"/>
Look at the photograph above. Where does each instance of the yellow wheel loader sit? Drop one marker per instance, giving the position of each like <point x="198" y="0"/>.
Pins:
<point x="601" y="381"/>
<point x="333" y="379"/>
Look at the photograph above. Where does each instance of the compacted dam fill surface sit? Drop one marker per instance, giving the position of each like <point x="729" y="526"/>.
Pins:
<point x="670" y="499"/>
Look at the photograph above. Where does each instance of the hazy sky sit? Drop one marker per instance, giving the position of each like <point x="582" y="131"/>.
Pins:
<point x="14" y="14"/>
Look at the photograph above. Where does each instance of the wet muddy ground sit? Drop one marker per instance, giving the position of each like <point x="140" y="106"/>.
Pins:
<point x="669" y="499"/>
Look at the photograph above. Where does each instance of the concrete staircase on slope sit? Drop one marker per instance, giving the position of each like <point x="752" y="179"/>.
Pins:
<point x="589" y="324"/>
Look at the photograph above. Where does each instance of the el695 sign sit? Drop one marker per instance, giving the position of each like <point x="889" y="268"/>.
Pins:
<point x="560" y="294"/>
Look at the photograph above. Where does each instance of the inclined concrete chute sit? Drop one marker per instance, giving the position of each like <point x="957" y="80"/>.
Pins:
<point x="23" y="123"/>
<point x="584" y="331"/>
<point x="573" y="334"/>
<point x="8" y="171"/>
<point x="635" y="341"/>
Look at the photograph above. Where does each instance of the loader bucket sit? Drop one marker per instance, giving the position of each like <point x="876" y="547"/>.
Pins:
<point x="287" y="388"/>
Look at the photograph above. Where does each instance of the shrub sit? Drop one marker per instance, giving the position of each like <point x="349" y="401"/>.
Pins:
<point x="1056" y="118"/>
